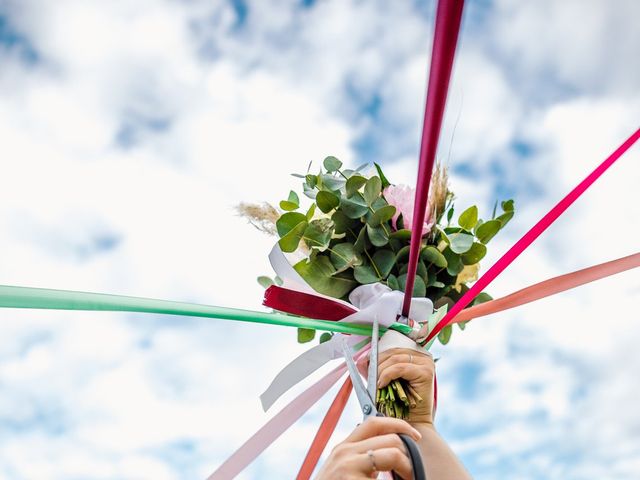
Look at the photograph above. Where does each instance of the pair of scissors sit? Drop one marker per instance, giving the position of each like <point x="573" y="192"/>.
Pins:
<point x="366" y="396"/>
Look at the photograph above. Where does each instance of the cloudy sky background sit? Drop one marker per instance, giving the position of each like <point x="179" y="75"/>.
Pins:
<point x="130" y="129"/>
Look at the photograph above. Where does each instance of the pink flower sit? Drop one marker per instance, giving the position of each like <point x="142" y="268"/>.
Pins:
<point x="402" y="197"/>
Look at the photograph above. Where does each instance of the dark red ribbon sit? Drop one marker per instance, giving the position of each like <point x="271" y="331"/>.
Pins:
<point x="305" y="304"/>
<point x="445" y="39"/>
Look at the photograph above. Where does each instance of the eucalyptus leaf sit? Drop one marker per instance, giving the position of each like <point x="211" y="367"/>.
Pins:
<point x="305" y="335"/>
<point x="432" y="255"/>
<point x="289" y="242"/>
<point x="344" y="255"/>
<point x="392" y="282"/>
<point x="319" y="274"/>
<point x="318" y="233"/>
<point x="325" y="337"/>
<point x="419" y="287"/>
<point x="384" y="260"/>
<point x="403" y="254"/>
<point x="454" y="263"/>
<point x="354" y="184"/>
<point x="331" y="183"/>
<point x="354" y="207"/>
<point x="311" y="212"/>
<point x="402" y="234"/>
<point x="332" y="164"/>
<point x="482" y="298"/>
<point x="288" y="221"/>
<point x="474" y="254"/>
<point x="468" y="218"/>
<point x="505" y="217"/>
<point x="378" y="236"/>
<point x="288" y="206"/>
<point x="365" y="274"/>
<point x="265" y="282"/>
<point x="445" y="334"/>
<point x="372" y="189"/>
<point x="362" y="167"/>
<point x="488" y="230"/>
<point x="362" y="242"/>
<point x="381" y="215"/>
<point x="309" y="192"/>
<point x="311" y="180"/>
<point x="293" y="198"/>
<point x="297" y="175"/>
<point x="327" y="201"/>
<point x="343" y="223"/>
<point x="462" y="325"/>
<point x="460" y="242"/>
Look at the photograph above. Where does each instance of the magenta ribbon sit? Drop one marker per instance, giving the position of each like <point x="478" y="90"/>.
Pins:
<point x="529" y="237"/>
<point x="445" y="39"/>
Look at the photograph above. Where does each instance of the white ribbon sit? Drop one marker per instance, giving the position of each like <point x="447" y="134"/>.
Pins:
<point x="372" y="301"/>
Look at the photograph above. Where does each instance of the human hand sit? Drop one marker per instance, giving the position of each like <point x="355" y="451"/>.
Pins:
<point x="374" y="446"/>
<point x="416" y="368"/>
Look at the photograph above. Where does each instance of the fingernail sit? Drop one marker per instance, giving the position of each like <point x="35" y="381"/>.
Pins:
<point x="418" y="434"/>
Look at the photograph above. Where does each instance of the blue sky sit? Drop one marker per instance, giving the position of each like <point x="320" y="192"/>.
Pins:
<point x="129" y="130"/>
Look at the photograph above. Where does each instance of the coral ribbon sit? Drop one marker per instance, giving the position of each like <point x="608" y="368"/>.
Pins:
<point x="275" y="427"/>
<point x="550" y="287"/>
<point x="529" y="237"/>
<point x="325" y="431"/>
<point x="445" y="39"/>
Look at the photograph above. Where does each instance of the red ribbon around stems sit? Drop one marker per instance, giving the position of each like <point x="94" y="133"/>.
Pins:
<point x="445" y="39"/>
<point x="529" y="237"/>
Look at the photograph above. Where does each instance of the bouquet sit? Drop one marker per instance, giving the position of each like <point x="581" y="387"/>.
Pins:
<point x="356" y="230"/>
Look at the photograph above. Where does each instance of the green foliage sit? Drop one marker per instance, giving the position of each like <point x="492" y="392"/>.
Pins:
<point x="305" y="335"/>
<point x="349" y="240"/>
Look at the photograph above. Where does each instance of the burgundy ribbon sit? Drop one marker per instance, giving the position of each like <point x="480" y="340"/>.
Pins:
<point x="305" y="304"/>
<point x="445" y="39"/>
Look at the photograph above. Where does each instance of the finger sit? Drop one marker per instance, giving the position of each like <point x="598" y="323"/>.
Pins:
<point x="399" y="351"/>
<point x="385" y="460"/>
<point x="406" y="357"/>
<point x="408" y="371"/>
<point x="389" y="440"/>
<point x="375" y="426"/>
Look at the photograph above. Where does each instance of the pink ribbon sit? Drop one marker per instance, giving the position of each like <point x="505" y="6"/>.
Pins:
<point x="275" y="427"/>
<point x="529" y="237"/>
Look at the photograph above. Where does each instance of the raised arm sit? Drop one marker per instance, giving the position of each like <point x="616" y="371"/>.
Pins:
<point x="418" y="369"/>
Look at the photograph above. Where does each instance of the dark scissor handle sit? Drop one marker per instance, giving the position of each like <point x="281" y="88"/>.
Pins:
<point x="415" y="456"/>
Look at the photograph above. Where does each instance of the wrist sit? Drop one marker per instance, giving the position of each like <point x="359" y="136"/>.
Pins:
<point x="422" y="426"/>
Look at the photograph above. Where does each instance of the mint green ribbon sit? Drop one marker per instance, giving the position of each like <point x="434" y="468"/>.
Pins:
<point x="49" y="299"/>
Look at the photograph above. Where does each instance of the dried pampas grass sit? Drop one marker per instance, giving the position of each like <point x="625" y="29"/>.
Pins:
<point x="262" y="216"/>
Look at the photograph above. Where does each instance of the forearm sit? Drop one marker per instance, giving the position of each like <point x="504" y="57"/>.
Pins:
<point x="439" y="460"/>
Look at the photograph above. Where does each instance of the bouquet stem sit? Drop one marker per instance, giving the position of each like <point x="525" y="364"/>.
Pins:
<point x="396" y="399"/>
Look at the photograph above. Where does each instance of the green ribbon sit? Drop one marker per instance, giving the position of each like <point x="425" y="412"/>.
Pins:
<point x="49" y="299"/>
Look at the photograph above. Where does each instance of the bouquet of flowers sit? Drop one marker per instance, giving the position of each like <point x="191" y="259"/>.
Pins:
<point x="356" y="231"/>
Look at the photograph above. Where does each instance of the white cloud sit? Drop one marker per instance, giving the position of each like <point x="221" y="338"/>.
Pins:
<point x="216" y="115"/>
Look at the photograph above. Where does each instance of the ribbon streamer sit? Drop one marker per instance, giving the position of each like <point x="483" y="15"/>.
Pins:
<point x="44" y="298"/>
<point x="549" y="287"/>
<point x="327" y="427"/>
<point x="445" y="39"/>
<point x="279" y="423"/>
<point x="535" y="231"/>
